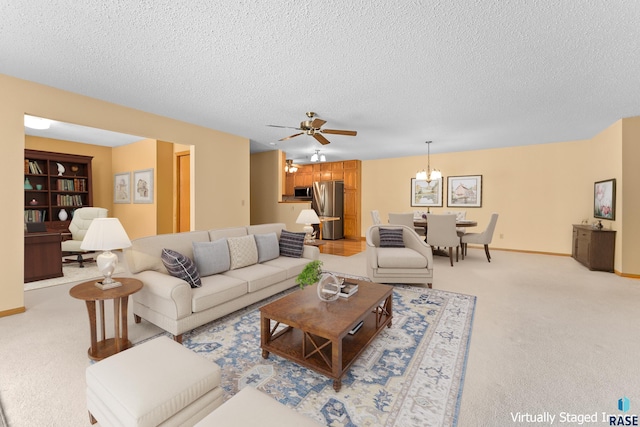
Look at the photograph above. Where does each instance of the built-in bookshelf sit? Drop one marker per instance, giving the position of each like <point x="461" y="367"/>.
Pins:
<point x="55" y="182"/>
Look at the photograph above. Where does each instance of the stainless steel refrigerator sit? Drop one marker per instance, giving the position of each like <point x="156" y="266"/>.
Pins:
<point x="328" y="200"/>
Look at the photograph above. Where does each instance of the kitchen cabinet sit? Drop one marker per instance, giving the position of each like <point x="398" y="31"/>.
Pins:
<point x="594" y="248"/>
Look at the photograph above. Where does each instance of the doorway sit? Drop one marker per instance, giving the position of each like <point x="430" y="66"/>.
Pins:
<point x="183" y="193"/>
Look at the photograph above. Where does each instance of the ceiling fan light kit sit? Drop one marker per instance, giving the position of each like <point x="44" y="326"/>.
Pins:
<point x="290" y="167"/>
<point x="429" y="174"/>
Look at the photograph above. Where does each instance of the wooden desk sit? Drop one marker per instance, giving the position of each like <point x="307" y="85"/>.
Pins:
<point x="42" y="256"/>
<point x="90" y="293"/>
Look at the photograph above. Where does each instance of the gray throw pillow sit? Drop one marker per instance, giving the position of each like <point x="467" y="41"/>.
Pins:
<point x="391" y="238"/>
<point x="181" y="267"/>
<point x="291" y="244"/>
<point x="268" y="247"/>
<point x="211" y="257"/>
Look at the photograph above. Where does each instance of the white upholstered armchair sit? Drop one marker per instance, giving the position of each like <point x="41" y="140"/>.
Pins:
<point x="78" y="227"/>
<point x="412" y="263"/>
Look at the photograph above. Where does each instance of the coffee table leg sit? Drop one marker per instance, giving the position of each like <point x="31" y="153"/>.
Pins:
<point x="336" y="363"/>
<point x="265" y="331"/>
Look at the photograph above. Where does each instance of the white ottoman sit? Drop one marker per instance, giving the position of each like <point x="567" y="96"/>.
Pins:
<point x="156" y="383"/>
<point x="250" y="407"/>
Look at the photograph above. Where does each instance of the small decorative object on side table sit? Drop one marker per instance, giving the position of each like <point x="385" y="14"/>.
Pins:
<point x="88" y="292"/>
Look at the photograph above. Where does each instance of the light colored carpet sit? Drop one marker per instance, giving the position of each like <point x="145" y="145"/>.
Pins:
<point x="548" y="335"/>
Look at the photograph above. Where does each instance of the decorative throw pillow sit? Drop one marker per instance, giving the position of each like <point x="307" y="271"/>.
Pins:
<point x="211" y="257"/>
<point x="391" y="238"/>
<point x="291" y="244"/>
<point x="181" y="267"/>
<point x="243" y="251"/>
<point x="268" y="247"/>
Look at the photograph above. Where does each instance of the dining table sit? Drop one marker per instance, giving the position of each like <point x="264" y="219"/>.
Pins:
<point x="422" y="222"/>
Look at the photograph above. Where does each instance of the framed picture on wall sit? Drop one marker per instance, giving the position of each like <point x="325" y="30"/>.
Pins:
<point x="143" y="186"/>
<point x="122" y="187"/>
<point x="425" y="193"/>
<point x="464" y="191"/>
<point x="604" y="199"/>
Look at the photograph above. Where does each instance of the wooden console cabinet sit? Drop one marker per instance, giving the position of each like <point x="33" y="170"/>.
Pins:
<point x="594" y="248"/>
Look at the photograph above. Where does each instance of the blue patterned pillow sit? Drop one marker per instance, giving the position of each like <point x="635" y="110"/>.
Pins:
<point x="391" y="238"/>
<point x="291" y="244"/>
<point x="181" y="267"/>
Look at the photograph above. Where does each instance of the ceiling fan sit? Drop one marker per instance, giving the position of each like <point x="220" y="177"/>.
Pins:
<point x="313" y="127"/>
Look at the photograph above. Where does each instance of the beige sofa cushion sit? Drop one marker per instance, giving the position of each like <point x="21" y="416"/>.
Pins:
<point x="258" y="276"/>
<point x="400" y="258"/>
<point x="215" y="290"/>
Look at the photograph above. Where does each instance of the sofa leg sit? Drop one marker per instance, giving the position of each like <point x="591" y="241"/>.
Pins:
<point x="178" y="338"/>
<point x="91" y="419"/>
<point x="137" y="318"/>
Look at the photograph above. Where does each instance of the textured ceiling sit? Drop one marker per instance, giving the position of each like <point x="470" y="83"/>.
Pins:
<point x="466" y="74"/>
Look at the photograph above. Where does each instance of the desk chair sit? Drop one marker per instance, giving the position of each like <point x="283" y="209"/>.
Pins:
<point x="78" y="227"/>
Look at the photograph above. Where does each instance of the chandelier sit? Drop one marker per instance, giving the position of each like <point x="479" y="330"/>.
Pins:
<point x="318" y="157"/>
<point x="429" y="174"/>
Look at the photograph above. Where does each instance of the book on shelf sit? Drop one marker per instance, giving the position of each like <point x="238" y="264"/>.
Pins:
<point x="348" y="289"/>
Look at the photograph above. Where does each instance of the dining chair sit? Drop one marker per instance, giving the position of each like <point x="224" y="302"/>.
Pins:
<point x="404" y="218"/>
<point x="460" y="216"/>
<point x="442" y="233"/>
<point x="375" y="216"/>
<point x="483" y="238"/>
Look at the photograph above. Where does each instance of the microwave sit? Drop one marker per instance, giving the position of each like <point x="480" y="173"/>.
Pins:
<point x="303" y="193"/>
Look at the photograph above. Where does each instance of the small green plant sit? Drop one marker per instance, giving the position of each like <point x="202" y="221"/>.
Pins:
<point x="310" y="274"/>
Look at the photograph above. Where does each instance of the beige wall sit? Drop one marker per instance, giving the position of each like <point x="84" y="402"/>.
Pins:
<point x="266" y="186"/>
<point x="138" y="219"/>
<point x="630" y="213"/>
<point x="221" y="164"/>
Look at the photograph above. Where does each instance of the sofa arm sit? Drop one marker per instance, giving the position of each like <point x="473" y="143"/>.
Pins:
<point x="165" y="294"/>
<point x="311" y="252"/>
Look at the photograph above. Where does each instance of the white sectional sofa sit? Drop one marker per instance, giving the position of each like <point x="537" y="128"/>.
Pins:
<point x="175" y="306"/>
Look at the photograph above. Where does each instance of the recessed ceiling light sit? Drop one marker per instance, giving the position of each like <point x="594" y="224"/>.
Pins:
<point x="36" y="122"/>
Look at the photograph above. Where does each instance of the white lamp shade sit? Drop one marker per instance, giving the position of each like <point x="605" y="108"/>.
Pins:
<point x="308" y="216"/>
<point x="105" y="234"/>
<point x="436" y="174"/>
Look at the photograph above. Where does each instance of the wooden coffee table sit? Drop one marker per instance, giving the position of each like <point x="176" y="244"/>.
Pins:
<point x="316" y="333"/>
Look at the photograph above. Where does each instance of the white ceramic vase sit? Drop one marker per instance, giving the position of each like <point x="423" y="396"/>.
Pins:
<point x="63" y="215"/>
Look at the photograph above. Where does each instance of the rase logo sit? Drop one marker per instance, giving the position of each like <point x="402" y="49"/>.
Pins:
<point x="623" y="420"/>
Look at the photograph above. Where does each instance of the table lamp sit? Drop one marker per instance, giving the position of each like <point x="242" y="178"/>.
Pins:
<point x="105" y="234"/>
<point x="308" y="217"/>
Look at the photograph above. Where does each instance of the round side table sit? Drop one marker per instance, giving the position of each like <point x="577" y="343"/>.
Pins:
<point x="90" y="293"/>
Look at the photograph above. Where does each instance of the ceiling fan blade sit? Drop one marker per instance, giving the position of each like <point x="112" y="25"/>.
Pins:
<point x="291" y="136"/>
<point x="340" y="132"/>
<point x="317" y="123"/>
<point x="284" y="127"/>
<point x="321" y="139"/>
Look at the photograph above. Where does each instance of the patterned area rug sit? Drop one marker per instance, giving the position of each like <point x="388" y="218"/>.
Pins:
<point x="411" y="375"/>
